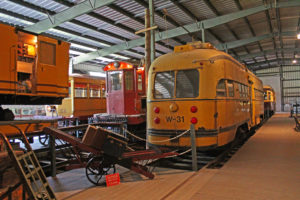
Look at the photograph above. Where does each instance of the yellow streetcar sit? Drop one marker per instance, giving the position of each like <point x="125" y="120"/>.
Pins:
<point x="197" y="84"/>
<point x="269" y="101"/>
<point x="86" y="97"/>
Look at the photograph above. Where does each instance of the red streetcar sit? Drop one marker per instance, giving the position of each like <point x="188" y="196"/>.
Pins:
<point x="126" y="95"/>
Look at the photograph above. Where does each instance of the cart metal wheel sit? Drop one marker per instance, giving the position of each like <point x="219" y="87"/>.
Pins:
<point x="44" y="139"/>
<point x="97" y="167"/>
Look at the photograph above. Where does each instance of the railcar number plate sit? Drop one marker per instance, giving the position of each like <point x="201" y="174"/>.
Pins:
<point x="178" y="119"/>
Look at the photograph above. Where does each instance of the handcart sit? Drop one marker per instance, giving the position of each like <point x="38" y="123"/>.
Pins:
<point x="28" y="168"/>
<point x="111" y="149"/>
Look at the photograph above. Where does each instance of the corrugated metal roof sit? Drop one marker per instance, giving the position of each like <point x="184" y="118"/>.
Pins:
<point x="225" y="6"/>
<point x="132" y="17"/>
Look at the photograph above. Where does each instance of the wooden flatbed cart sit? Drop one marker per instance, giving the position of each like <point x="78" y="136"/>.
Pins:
<point x="111" y="149"/>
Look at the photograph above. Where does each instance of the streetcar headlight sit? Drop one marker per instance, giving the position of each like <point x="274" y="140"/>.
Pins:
<point x="194" y="120"/>
<point x="194" y="109"/>
<point x="156" y="120"/>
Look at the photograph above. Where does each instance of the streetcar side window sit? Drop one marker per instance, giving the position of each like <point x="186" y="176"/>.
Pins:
<point x="164" y="85"/>
<point x="240" y="90"/>
<point x="80" y="90"/>
<point x="94" y="91"/>
<point x="187" y="83"/>
<point x="243" y="89"/>
<point x="230" y="88"/>
<point x="221" y="88"/>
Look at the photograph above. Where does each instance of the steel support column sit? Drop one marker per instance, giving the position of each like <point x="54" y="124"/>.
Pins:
<point x="151" y="12"/>
<point x="281" y="87"/>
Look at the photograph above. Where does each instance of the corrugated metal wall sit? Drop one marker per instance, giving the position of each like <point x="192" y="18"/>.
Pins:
<point x="290" y="83"/>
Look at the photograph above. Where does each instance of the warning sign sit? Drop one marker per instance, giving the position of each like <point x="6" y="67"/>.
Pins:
<point x="113" y="179"/>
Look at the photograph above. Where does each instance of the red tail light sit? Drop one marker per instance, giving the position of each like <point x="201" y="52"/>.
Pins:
<point x="194" y="120"/>
<point x="156" y="109"/>
<point x="194" y="109"/>
<point x="156" y="120"/>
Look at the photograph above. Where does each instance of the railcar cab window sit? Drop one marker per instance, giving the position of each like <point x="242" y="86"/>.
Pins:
<point x="164" y="85"/>
<point x="187" y="83"/>
<point x="128" y="80"/>
<point x="140" y="82"/>
<point x="221" y="88"/>
<point x="265" y="96"/>
<point x="115" y="80"/>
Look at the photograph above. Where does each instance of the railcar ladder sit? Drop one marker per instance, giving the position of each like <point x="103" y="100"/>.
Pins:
<point x="30" y="171"/>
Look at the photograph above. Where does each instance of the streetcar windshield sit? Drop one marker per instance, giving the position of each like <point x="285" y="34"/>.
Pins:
<point x="187" y="84"/>
<point x="115" y="80"/>
<point x="164" y="85"/>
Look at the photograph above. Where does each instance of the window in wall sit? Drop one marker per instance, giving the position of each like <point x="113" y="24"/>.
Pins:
<point x="221" y="88"/>
<point x="243" y="89"/>
<point x="94" y="91"/>
<point x="80" y="90"/>
<point x="128" y="80"/>
<point x="265" y="96"/>
<point x="164" y="85"/>
<point x="115" y="79"/>
<point x="103" y="92"/>
<point x="140" y="82"/>
<point x="47" y="53"/>
<point x="230" y="88"/>
<point x="240" y="90"/>
<point x="187" y="83"/>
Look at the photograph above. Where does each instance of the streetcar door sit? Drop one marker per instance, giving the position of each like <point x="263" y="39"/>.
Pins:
<point x="46" y="71"/>
<point x="115" y="95"/>
<point x="252" y="102"/>
<point x="130" y="96"/>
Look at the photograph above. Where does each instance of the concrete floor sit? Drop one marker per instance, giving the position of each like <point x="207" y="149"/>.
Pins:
<point x="266" y="167"/>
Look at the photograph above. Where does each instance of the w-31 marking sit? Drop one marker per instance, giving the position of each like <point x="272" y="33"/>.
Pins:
<point x="178" y="119"/>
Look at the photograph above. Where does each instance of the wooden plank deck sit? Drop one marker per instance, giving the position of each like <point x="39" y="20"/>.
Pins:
<point x="266" y="167"/>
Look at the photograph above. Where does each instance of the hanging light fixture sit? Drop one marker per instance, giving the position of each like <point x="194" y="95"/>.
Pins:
<point x="298" y="36"/>
<point x="294" y="61"/>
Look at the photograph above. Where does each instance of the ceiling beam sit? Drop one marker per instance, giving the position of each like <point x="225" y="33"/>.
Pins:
<point x="114" y="23"/>
<point x="238" y="4"/>
<point x="279" y="30"/>
<point x="270" y="61"/>
<point x="102" y="43"/>
<point x="194" y="27"/>
<point x="194" y="17"/>
<point x="239" y="43"/>
<point x="67" y="15"/>
<point x="265" y="53"/>
<point x="216" y="12"/>
<point x="67" y="31"/>
<point x="266" y="67"/>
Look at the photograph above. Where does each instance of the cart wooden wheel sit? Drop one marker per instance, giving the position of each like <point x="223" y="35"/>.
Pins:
<point x="97" y="167"/>
<point x="44" y="139"/>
